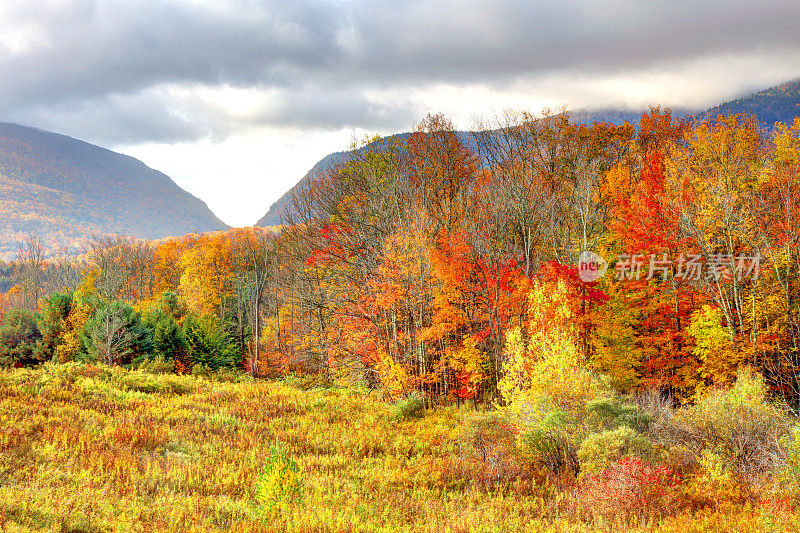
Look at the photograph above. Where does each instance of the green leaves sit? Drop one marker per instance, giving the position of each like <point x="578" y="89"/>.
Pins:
<point x="116" y="335"/>
<point x="280" y="483"/>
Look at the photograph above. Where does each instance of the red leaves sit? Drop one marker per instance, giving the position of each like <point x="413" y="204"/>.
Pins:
<point x="552" y="271"/>
<point x="337" y="245"/>
<point x="633" y="488"/>
<point x="642" y="216"/>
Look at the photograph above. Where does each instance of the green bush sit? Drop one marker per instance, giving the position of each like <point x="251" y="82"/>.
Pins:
<point x="210" y="344"/>
<point x="610" y="413"/>
<point x="279" y="483"/>
<point x="115" y="335"/>
<point x="169" y="340"/>
<point x="157" y="365"/>
<point x="19" y="336"/>
<point x="50" y="321"/>
<point x="550" y="437"/>
<point x="411" y="407"/>
<point x="149" y="383"/>
<point x="600" y="451"/>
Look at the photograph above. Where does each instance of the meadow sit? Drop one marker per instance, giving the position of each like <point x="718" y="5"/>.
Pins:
<point x="94" y="448"/>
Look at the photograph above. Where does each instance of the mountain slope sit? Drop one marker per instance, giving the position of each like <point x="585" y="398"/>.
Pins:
<point x="777" y="104"/>
<point x="63" y="190"/>
<point x="273" y="216"/>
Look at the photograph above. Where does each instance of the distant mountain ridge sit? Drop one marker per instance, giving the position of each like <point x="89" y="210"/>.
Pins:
<point x="63" y="190"/>
<point x="776" y="104"/>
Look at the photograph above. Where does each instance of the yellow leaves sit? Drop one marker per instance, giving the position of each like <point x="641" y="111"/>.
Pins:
<point x="787" y="143"/>
<point x="469" y="362"/>
<point x="714" y="347"/>
<point x="393" y="376"/>
<point x="713" y="483"/>
<point x="546" y="361"/>
<point x="718" y="171"/>
<point x="207" y="272"/>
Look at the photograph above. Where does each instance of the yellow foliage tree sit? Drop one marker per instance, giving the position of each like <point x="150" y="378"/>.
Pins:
<point x="714" y="348"/>
<point x="83" y="307"/>
<point x="544" y="361"/>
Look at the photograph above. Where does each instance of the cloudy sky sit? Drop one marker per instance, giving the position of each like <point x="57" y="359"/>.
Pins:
<point x="237" y="100"/>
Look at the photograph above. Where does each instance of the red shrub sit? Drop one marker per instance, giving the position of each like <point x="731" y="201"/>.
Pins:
<point x="631" y="489"/>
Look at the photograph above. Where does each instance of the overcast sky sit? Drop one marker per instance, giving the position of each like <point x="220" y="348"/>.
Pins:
<point x="237" y="100"/>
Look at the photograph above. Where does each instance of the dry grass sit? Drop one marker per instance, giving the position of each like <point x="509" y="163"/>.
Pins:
<point x="93" y="449"/>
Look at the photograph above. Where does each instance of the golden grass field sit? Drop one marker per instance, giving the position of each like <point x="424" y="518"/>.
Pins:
<point x="88" y="448"/>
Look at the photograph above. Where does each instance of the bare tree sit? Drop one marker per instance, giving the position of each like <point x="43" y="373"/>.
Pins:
<point x="124" y="265"/>
<point x="29" y="272"/>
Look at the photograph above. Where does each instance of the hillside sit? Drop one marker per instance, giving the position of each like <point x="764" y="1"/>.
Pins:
<point x="63" y="190"/>
<point x="275" y="212"/>
<point x="777" y="104"/>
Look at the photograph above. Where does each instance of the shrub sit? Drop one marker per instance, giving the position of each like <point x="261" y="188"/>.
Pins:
<point x="116" y="335"/>
<point x="411" y="407"/>
<point x="739" y="424"/>
<point x="51" y="318"/>
<point x="600" y="450"/>
<point x="655" y="405"/>
<point x="630" y="490"/>
<point x="149" y="383"/>
<point x="790" y="473"/>
<point x="279" y="483"/>
<point x="169" y="340"/>
<point x="712" y="483"/>
<point x="613" y="412"/>
<point x="19" y="335"/>
<point x="157" y="365"/>
<point x="549" y="437"/>
<point x="210" y="344"/>
<point x="231" y="375"/>
<point x="489" y="449"/>
<point x="308" y="381"/>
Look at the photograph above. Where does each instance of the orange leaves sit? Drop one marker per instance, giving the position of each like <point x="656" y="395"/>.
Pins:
<point x="442" y="167"/>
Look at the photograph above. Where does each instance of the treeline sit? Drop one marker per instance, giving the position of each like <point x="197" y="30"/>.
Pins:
<point x="433" y="266"/>
<point x="187" y="303"/>
<point x="429" y="264"/>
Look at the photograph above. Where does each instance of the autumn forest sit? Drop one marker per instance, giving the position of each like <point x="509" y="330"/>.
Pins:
<point x="598" y="325"/>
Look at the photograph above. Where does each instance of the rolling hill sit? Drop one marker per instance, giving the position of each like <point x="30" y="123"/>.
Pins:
<point x="776" y="104"/>
<point x="62" y="190"/>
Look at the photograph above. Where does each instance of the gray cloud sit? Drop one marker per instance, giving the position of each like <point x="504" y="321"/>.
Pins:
<point x="98" y="68"/>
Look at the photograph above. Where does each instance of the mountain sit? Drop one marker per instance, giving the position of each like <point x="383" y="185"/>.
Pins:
<point x="777" y="104"/>
<point x="273" y="216"/>
<point x="62" y="190"/>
